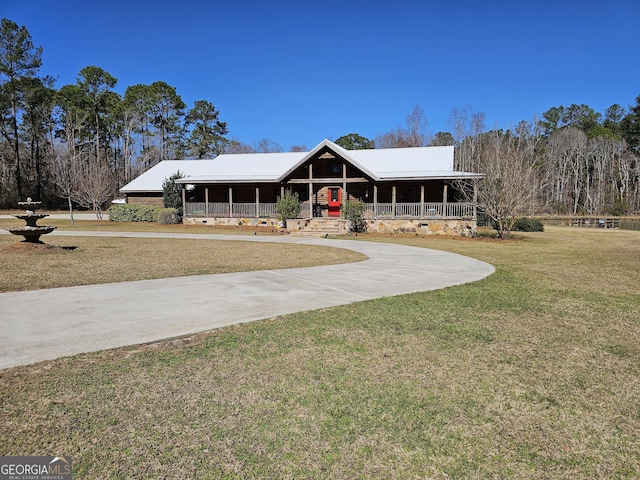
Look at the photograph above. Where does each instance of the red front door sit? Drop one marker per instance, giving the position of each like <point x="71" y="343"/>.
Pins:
<point x="334" y="200"/>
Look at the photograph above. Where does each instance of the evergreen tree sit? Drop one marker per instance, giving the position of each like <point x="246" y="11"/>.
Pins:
<point x="354" y="141"/>
<point x="207" y="137"/>
<point x="19" y="60"/>
<point x="172" y="192"/>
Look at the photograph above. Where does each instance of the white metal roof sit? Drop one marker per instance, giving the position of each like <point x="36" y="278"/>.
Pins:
<point x="379" y="164"/>
<point x="152" y="179"/>
<point x="236" y="167"/>
<point x="400" y="162"/>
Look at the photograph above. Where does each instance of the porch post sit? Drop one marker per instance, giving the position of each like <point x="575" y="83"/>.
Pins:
<point x="345" y="195"/>
<point x="257" y="202"/>
<point x="206" y="201"/>
<point x="230" y="202"/>
<point x="393" y="201"/>
<point x="475" y="200"/>
<point x="375" y="200"/>
<point x="445" y="191"/>
<point x="310" y="190"/>
<point x="184" y="201"/>
<point x="422" y="200"/>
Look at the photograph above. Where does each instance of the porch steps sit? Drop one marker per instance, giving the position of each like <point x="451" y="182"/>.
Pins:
<point x="320" y="227"/>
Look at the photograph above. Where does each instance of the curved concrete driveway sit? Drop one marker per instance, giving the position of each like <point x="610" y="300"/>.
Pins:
<point x="46" y="324"/>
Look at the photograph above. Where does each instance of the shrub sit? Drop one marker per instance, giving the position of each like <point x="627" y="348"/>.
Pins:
<point x="525" y="224"/>
<point x="288" y="206"/>
<point x="484" y="220"/>
<point x="353" y="211"/>
<point x="168" y="216"/>
<point x="486" y="232"/>
<point x="618" y="208"/>
<point x="133" y="213"/>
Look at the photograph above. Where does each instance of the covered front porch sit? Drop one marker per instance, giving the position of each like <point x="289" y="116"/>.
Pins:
<point x="409" y="200"/>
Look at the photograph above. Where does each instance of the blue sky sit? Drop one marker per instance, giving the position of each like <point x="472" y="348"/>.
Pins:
<point x="297" y="72"/>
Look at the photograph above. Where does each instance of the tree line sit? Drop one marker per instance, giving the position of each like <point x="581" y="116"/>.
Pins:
<point x="572" y="161"/>
<point x="83" y="141"/>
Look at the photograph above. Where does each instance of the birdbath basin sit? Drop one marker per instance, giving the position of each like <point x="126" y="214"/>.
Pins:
<point x="31" y="218"/>
<point x="31" y="232"/>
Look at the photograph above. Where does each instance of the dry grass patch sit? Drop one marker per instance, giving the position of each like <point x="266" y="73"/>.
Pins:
<point x="69" y="261"/>
<point x="106" y="226"/>
<point x="533" y="372"/>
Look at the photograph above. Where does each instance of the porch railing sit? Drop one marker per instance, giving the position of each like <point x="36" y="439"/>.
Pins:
<point x="235" y="210"/>
<point x="377" y="211"/>
<point x="432" y="210"/>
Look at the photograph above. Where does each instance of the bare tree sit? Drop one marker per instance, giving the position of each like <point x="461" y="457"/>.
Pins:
<point x="267" y="146"/>
<point x="63" y="174"/>
<point x="508" y="190"/>
<point x="467" y="126"/>
<point x="416" y="123"/>
<point x="565" y="161"/>
<point x="413" y="134"/>
<point x="395" y="138"/>
<point x="68" y="155"/>
<point x="602" y="151"/>
<point x="627" y="180"/>
<point x="635" y="195"/>
<point x="94" y="184"/>
<point x="235" y="146"/>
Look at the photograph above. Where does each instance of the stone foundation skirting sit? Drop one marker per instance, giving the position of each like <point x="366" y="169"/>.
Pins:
<point x="231" y="222"/>
<point x="459" y="228"/>
<point x="292" y="225"/>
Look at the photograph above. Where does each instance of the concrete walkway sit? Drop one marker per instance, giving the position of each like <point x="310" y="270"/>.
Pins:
<point x="46" y="324"/>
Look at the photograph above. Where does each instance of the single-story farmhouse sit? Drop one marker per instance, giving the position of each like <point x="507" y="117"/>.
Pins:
<point x="404" y="189"/>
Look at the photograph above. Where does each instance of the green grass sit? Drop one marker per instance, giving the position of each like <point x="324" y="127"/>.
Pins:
<point x="533" y="372"/>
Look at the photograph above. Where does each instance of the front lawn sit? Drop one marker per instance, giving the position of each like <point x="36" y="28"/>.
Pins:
<point x="533" y="372"/>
